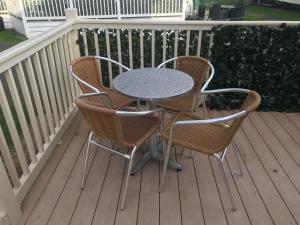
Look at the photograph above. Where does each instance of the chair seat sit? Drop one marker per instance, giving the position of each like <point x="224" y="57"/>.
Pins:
<point x="137" y="130"/>
<point x="118" y="101"/>
<point x="180" y="104"/>
<point x="205" y="138"/>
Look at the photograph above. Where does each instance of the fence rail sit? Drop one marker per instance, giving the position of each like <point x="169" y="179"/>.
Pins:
<point x="55" y="9"/>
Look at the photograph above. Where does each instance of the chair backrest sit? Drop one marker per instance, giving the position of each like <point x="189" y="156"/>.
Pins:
<point x="196" y="67"/>
<point x="103" y="121"/>
<point x="250" y="104"/>
<point x="87" y="68"/>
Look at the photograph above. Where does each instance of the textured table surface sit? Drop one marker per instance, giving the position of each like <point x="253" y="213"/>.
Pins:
<point x="153" y="83"/>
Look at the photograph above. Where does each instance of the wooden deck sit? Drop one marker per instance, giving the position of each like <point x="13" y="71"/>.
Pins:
<point x="268" y="193"/>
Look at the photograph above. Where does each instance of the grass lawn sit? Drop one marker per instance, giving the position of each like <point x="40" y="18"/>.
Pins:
<point x="254" y="12"/>
<point x="11" y="37"/>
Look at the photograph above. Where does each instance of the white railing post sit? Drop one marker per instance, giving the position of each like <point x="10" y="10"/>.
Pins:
<point x="72" y="14"/>
<point x="118" y="9"/>
<point x="71" y="4"/>
<point x="10" y="208"/>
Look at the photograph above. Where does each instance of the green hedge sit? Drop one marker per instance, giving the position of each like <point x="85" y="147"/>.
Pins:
<point x="259" y="58"/>
<point x="255" y="57"/>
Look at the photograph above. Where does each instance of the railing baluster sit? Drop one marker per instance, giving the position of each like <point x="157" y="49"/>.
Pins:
<point x="96" y="43"/>
<point x="108" y="56"/>
<point x="97" y="7"/>
<point x="68" y="61"/>
<point x="187" y="47"/>
<point x="60" y="78"/>
<point x="86" y="51"/>
<point x="55" y="82"/>
<point x="211" y="43"/>
<point x="153" y="48"/>
<point x="11" y="168"/>
<point x="175" y="47"/>
<point x="164" y="45"/>
<point x="13" y="130"/>
<point x="65" y="73"/>
<point x="119" y="50"/>
<point x="199" y="43"/>
<point x="82" y="8"/>
<point x="41" y="81"/>
<point x="20" y="112"/>
<point x="29" y="106"/>
<point x="37" y="99"/>
<point x="130" y="49"/>
<point x="142" y="47"/>
<point x="50" y="86"/>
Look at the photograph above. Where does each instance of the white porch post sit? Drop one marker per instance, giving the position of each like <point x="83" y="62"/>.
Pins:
<point x="10" y="209"/>
<point x="183" y="9"/>
<point x="72" y="14"/>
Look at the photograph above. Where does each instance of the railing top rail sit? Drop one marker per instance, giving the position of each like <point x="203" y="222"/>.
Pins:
<point x="17" y="53"/>
<point x="176" y="24"/>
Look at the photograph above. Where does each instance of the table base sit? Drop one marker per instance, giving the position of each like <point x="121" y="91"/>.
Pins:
<point x="157" y="154"/>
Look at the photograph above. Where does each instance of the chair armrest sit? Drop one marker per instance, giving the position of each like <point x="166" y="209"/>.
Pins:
<point x="166" y="62"/>
<point x="225" y="90"/>
<point x="206" y="121"/>
<point x="113" y="61"/>
<point x="97" y="94"/>
<point x="140" y="113"/>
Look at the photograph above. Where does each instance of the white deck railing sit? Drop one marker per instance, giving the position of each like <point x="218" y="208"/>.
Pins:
<point x="36" y="92"/>
<point x="3" y="5"/>
<point x="55" y="9"/>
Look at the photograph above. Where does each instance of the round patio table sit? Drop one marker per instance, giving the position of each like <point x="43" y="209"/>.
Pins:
<point x="153" y="84"/>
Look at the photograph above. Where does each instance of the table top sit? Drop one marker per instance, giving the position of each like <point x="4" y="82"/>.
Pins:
<point x="153" y="83"/>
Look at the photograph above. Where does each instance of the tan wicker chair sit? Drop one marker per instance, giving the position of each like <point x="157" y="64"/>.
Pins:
<point x="198" y="69"/>
<point x="209" y="136"/>
<point x="87" y="72"/>
<point x="129" y="129"/>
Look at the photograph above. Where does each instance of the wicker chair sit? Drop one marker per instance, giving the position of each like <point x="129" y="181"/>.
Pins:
<point x="129" y="129"/>
<point x="209" y="136"/>
<point x="87" y="72"/>
<point x="197" y="68"/>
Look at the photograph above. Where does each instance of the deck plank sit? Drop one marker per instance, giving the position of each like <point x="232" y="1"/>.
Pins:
<point x="66" y="204"/>
<point x="282" y="135"/>
<point x="48" y="200"/>
<point x="272" y="199"/>
<point x="267" y="193"/>
<point x="288" y="125"/>
<point x="87" y="202"/>
<point x="108" y="200"/>
<point x="148" y="213"/>
<point x="39" y="185"/>
<point x="281" y="154"/>
<point x="189" y="195"/>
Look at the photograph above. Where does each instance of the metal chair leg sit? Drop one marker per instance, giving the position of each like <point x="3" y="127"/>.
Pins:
<point x="165" y="166"/>
<point x="86" y="160"/>
<point x="238" y="159"/>
<point x="128" y="176"/>
<point x="227" y="185"/>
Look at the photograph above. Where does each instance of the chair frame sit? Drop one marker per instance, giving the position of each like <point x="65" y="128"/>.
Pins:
<point x="206" y="83"/>
<point x="220" y="157"/>
<point x="130" y="156"/>
<point x="96" y="90"/>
